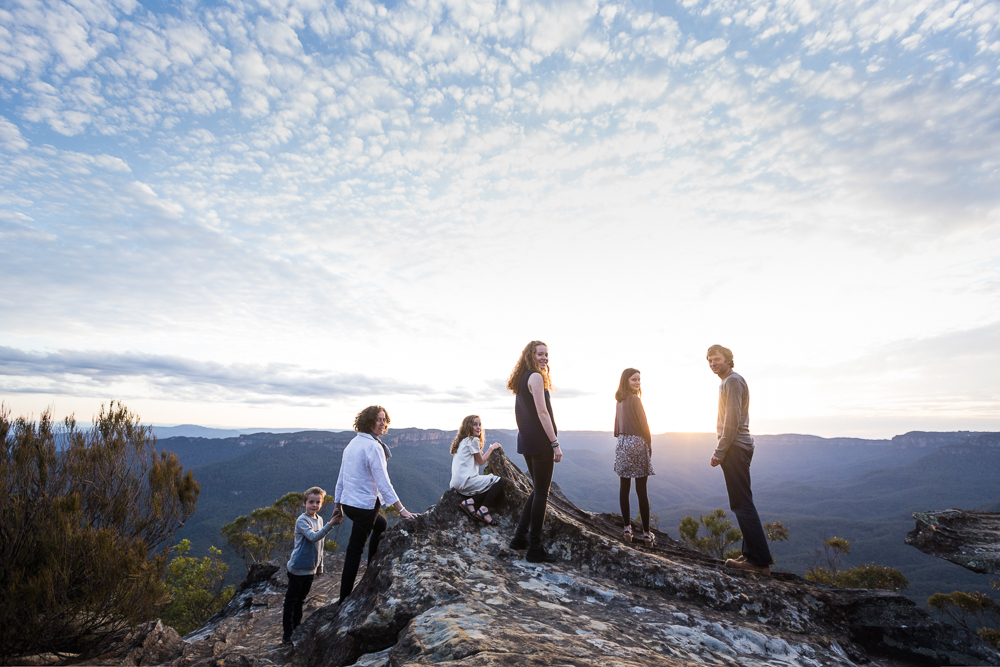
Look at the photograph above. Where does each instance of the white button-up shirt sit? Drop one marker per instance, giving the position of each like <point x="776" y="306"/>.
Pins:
<point x="363" y="474"/>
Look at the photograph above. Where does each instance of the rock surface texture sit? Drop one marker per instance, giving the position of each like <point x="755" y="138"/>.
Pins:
<point x="968" y="538"/>
<point x="446" y="589"/>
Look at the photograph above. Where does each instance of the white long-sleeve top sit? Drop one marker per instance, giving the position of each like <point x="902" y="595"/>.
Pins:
<point x="363" y="474"/>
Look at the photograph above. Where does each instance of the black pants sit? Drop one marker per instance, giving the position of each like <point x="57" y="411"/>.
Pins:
<point x="640" y="490"/>
<point x="533" y="514"/>
<point x="736" y="468"/>
<point x="291" y="613"/>
<point x="489" y="497"/>
<point x="363" y="524"/>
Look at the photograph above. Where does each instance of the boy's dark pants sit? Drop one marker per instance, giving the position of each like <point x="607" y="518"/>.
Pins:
<point x="363" y="524"/>
<point x="298" y="589"/>
<point x="736" y="468"/>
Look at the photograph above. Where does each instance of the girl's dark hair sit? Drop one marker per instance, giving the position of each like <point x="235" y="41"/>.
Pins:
<point x="465" y="431"/>
<point x="526" y="363"/>
<point x="365" y="421"/>
<point x="624" y="390"/>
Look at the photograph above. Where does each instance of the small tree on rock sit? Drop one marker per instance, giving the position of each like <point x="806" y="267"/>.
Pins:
<point x="868" y="575"/>
<point x="971" y="610"/>
<point x="721" y="533"/>
<point x="196" y="588"/>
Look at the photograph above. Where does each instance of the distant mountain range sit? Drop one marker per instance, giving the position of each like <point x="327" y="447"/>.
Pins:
<point x="863" y="490"/>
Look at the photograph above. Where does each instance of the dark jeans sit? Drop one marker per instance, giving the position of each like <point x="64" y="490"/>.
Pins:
<point x="640" y="490"/>
<point x="533" y="514"/>
<point x="363" y="524"/>
<point x="736" y="468"/>
<point x="291" y="613"/>
<point x="489" y="497"/>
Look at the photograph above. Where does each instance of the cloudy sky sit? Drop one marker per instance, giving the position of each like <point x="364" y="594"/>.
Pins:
<point x="273" y="213"/>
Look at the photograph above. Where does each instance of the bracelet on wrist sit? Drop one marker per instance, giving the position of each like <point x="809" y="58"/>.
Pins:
<point x="554" y="444"/>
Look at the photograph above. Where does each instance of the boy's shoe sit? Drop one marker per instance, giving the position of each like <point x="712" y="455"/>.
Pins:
<point x="747" y="566"/>
<point x="539" y="555"/>
<point x="518" y="543"/>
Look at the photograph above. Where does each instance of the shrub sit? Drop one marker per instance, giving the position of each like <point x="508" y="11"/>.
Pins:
<point x="195" y="588"/>
<point x="869" y="575"/>
<point x="721" y="533"/>
<point x="970" y="610"/>
<point x="81" y="530"/>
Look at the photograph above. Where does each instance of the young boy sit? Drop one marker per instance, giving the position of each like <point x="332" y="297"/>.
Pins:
<point x="306" y="559"/>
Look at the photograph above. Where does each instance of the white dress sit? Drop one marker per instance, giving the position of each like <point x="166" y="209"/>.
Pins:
<point x="465" y="477"/>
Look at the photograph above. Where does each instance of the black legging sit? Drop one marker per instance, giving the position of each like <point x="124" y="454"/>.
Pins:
<point x="363" y="523"/>
<point x="533" y="515"/>
<point x="488" y="497"/>
<point x="640" y="490"/>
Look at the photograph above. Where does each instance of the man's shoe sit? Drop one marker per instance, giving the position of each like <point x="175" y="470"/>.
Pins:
<point x="539" y="555"/>
<point x="287" y="641"/>
<point x="747" y="566"/>
<point x="518" y="543"/>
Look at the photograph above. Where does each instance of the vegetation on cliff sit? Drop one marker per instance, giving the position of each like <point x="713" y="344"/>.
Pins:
<point x="86" y="526"/>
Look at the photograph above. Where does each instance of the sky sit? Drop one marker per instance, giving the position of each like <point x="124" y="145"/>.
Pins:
<point x="274" y="213"/>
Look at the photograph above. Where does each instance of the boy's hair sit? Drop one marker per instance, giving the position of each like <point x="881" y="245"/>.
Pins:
<point x="313" y="491"/>
<point x="365" y="421"/>
<point x="726" y="353"/>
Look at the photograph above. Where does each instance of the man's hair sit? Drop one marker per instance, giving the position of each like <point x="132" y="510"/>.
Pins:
<point x="527" y="363"/>
<point x="365" y="421"/>
<point x="624" y="388"/>
<point x="313" y="491"/>
<point x="726" y="353"/>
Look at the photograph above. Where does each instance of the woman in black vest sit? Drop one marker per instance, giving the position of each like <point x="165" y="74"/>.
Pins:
<point x="537" y="440"/>
<point x="633" y="451"/>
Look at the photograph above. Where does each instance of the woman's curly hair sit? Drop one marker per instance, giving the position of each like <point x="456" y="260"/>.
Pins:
<point x="365" y="421"/>
<point x="465" y="431"/>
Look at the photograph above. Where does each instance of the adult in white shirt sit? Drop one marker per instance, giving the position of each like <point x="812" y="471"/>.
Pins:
<point x="363" y="486"/>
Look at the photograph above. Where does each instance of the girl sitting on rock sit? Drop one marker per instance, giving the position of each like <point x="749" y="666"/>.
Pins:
<point x="479" y="491"/>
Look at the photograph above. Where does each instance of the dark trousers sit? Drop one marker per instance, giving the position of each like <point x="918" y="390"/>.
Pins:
<point x="489" y="497"/>
<point x="736" y="468"/>
<point x="640" y="490"/>
<point x="291" y="613"/>
<point x="533" y="514"/>
<point x="363" y="523"/>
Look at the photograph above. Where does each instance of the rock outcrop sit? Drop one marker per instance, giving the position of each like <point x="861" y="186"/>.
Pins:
<point x="968" y="538"/>
<point x="446" y="589"/>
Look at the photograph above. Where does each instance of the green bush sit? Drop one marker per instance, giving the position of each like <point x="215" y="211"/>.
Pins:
<point x="721" y="533"/>
<point x="195" y="588"/>
<point x="81" y="530"/>
<point x="869" y="575"/>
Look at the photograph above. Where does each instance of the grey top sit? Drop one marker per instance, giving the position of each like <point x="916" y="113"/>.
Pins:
<point x="733" y="425"/>
<point x="307" y="554"/>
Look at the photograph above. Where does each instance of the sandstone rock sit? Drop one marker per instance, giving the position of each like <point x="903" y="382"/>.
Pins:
<point x="443" y="588"/>
<point x="968" y="538"/>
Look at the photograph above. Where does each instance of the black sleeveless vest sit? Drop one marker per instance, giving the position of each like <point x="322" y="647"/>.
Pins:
<point x="531" y="438"/>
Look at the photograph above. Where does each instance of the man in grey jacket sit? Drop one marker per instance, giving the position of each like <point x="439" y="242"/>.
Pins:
<point x="734" y="453"/>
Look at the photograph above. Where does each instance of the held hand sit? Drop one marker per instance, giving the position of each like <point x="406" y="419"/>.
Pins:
<point x="337" y="517"/>
<point x="557" y="454"/>
<point x="716" y="461"/>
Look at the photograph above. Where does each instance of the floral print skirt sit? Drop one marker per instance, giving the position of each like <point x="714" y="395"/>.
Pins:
<point x="632" y="457"/>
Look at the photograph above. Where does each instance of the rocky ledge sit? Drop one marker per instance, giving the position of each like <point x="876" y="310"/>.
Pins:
<point x="968" y="538"/>
<point x="446" y="589"/>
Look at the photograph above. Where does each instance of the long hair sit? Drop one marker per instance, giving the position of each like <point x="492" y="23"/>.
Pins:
<point x="526" y="363"/>
<point x="365" y="421"/>
<point x="465" y="431"/>
<point x="623" y="386"/>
